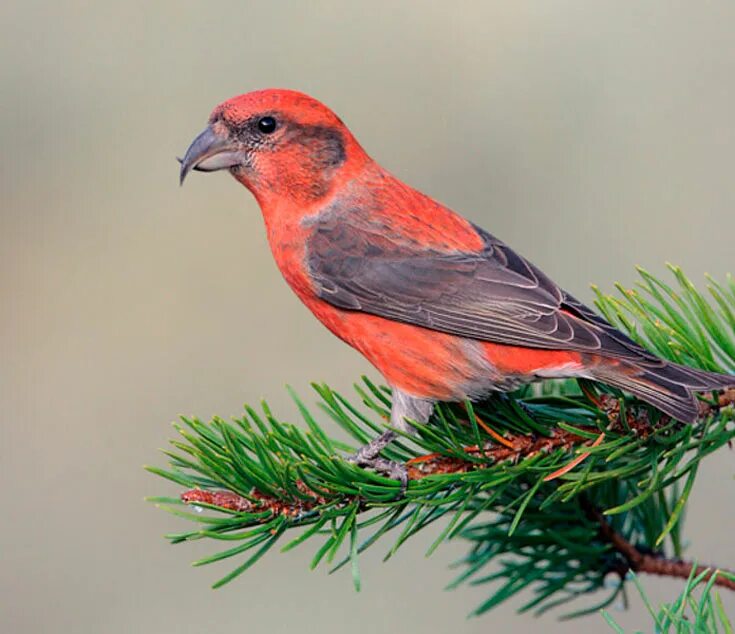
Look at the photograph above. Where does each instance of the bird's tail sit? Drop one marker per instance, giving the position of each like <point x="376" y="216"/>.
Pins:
<point x="668" y="386"/>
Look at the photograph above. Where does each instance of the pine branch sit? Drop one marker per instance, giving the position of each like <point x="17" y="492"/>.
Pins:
<point x="556" y="486"/>
<point x="517" y="447"/>
<point x="637" y="561"/>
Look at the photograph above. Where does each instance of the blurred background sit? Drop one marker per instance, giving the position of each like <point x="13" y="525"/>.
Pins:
<point x="590" y="136"/>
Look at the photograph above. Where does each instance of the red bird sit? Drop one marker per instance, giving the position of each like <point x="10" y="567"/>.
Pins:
<point x="443" y="309"/>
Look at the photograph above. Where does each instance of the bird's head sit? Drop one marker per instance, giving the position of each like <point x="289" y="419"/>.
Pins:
<point x="280" y="144"/>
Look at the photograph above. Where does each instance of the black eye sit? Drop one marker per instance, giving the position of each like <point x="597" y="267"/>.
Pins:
<point x="266" y="125"/>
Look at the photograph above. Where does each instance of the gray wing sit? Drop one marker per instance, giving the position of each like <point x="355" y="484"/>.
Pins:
<point x="491" y="295"/>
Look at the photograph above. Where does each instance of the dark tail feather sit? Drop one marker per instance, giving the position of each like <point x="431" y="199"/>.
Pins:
<point x="669" y="387"/>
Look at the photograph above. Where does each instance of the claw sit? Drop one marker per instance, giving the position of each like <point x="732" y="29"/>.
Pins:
<point x="393" y="470"/>
<point x="369" y="456"/>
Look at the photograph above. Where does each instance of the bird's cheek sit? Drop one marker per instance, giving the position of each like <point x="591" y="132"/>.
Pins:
<point x="246" y="173"/>
<point x="240" y="173"/>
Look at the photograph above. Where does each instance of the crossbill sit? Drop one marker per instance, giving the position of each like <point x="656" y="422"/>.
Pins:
<point x="442" y="308"/>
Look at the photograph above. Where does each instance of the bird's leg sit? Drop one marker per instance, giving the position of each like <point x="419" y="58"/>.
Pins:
<point x="404" y="406"/>
<point x="367" y="454"/>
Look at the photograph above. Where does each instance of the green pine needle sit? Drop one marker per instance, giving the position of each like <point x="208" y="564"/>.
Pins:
<point x="697" y="610"/>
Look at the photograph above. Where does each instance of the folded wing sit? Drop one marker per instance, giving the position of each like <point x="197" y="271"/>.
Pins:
<point x="492" y="295"/>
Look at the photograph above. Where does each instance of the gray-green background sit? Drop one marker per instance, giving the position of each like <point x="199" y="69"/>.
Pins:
<point x="592" y="136"/>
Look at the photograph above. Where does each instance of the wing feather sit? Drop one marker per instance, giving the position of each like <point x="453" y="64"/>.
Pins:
<point x="492" y="295"/>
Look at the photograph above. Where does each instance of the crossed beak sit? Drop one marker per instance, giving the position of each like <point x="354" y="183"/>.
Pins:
<point x="210" y="152"/>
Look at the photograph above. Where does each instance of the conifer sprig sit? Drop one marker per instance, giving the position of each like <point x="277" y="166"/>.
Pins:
<point x="537" y="481"/>
<point x="697" y="610"/>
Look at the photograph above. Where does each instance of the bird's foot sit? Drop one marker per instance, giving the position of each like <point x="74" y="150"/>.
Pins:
<point x="369" y="456"/>
<point x="389" y="468"/>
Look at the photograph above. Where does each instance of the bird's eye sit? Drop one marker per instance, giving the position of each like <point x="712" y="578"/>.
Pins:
<point x="266" y="125"/>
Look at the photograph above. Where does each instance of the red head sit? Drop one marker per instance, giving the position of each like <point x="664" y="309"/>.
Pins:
<point x="281" y="144"/>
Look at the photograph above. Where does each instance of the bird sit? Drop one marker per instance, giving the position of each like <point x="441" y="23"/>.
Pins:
<point x="443" y="309"/>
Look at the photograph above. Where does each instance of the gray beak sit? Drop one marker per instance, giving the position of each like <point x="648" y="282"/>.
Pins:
<point x="209" y="152"/>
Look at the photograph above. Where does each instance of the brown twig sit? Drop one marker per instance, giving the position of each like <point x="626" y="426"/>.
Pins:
<point x="649" y="563"/>
<point x="257" y="502"/>
<point x="722" y="399"/>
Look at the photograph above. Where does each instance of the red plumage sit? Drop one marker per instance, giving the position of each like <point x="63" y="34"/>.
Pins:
<point x="443" y="309"/>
